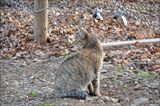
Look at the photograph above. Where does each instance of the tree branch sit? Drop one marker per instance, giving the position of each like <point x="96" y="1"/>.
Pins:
<point x="124" y="43"/>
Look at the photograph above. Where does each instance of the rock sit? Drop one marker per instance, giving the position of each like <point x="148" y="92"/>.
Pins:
<point x="113" y="104"/>
<point x="92" y="98"/>
<point x="65" y="104"/>
<point x="140" y="101"/>
<point x="154" y="84"/>
<point x="104" y="98"/>
<point x="107" y="98"/>
<point x="107" y="68"/>
<point x="100" y="101"/>
<point x="137" y="87"/>
<point x="104" y="71"/>
<point x="153" y="105"/>
<point x="104" y="101"/>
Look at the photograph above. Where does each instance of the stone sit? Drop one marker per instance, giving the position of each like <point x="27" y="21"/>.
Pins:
<point x="154" y="105"/>
<point x="140" y="101"/>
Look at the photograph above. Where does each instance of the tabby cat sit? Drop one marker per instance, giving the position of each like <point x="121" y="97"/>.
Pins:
<point x="81" y="71"/>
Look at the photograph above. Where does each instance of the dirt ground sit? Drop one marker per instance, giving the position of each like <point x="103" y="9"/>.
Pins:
<point x="30" y="82"/>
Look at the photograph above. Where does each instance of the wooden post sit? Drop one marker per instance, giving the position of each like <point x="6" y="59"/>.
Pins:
<point x="41" y="21"/>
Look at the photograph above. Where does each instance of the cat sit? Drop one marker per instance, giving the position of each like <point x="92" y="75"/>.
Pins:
<point x="81" y="71"/>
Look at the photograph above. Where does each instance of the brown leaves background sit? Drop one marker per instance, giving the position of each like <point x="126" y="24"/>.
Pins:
<point x="17" y="36"/>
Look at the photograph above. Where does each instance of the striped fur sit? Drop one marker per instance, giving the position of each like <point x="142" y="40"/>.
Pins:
<point x="81" y="70"/>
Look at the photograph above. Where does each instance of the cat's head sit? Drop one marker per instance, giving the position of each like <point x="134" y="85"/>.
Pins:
<point x="85" y="39"/>
<point x="82" y="37"/>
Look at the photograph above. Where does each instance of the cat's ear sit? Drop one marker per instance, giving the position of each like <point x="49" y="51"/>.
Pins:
<point x="82" y="30"/>
<point x="81" y="33"/>
<point x="84" y="33"/>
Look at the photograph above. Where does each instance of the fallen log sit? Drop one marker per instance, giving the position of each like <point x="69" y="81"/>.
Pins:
<point x="125" y="43"/>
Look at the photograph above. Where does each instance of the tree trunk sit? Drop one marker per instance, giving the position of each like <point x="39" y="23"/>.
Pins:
<point x="41" y="21"/>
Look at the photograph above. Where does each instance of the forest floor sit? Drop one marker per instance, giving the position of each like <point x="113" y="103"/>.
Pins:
<point x="130" y="75"/>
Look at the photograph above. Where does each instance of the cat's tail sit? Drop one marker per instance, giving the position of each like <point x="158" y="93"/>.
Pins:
<point x="75" y="94"/>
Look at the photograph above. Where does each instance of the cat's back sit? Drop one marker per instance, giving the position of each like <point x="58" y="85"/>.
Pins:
<point x="77" y="62"/>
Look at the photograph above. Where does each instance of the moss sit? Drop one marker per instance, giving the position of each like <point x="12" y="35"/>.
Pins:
<point x="119" y="68"/>
<point x="44" y="104"/>
<point x="32" y="94"/>
<point x="146" y="75"/>
<point x="125" y="86"/>
<point x="117" y="74"/>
